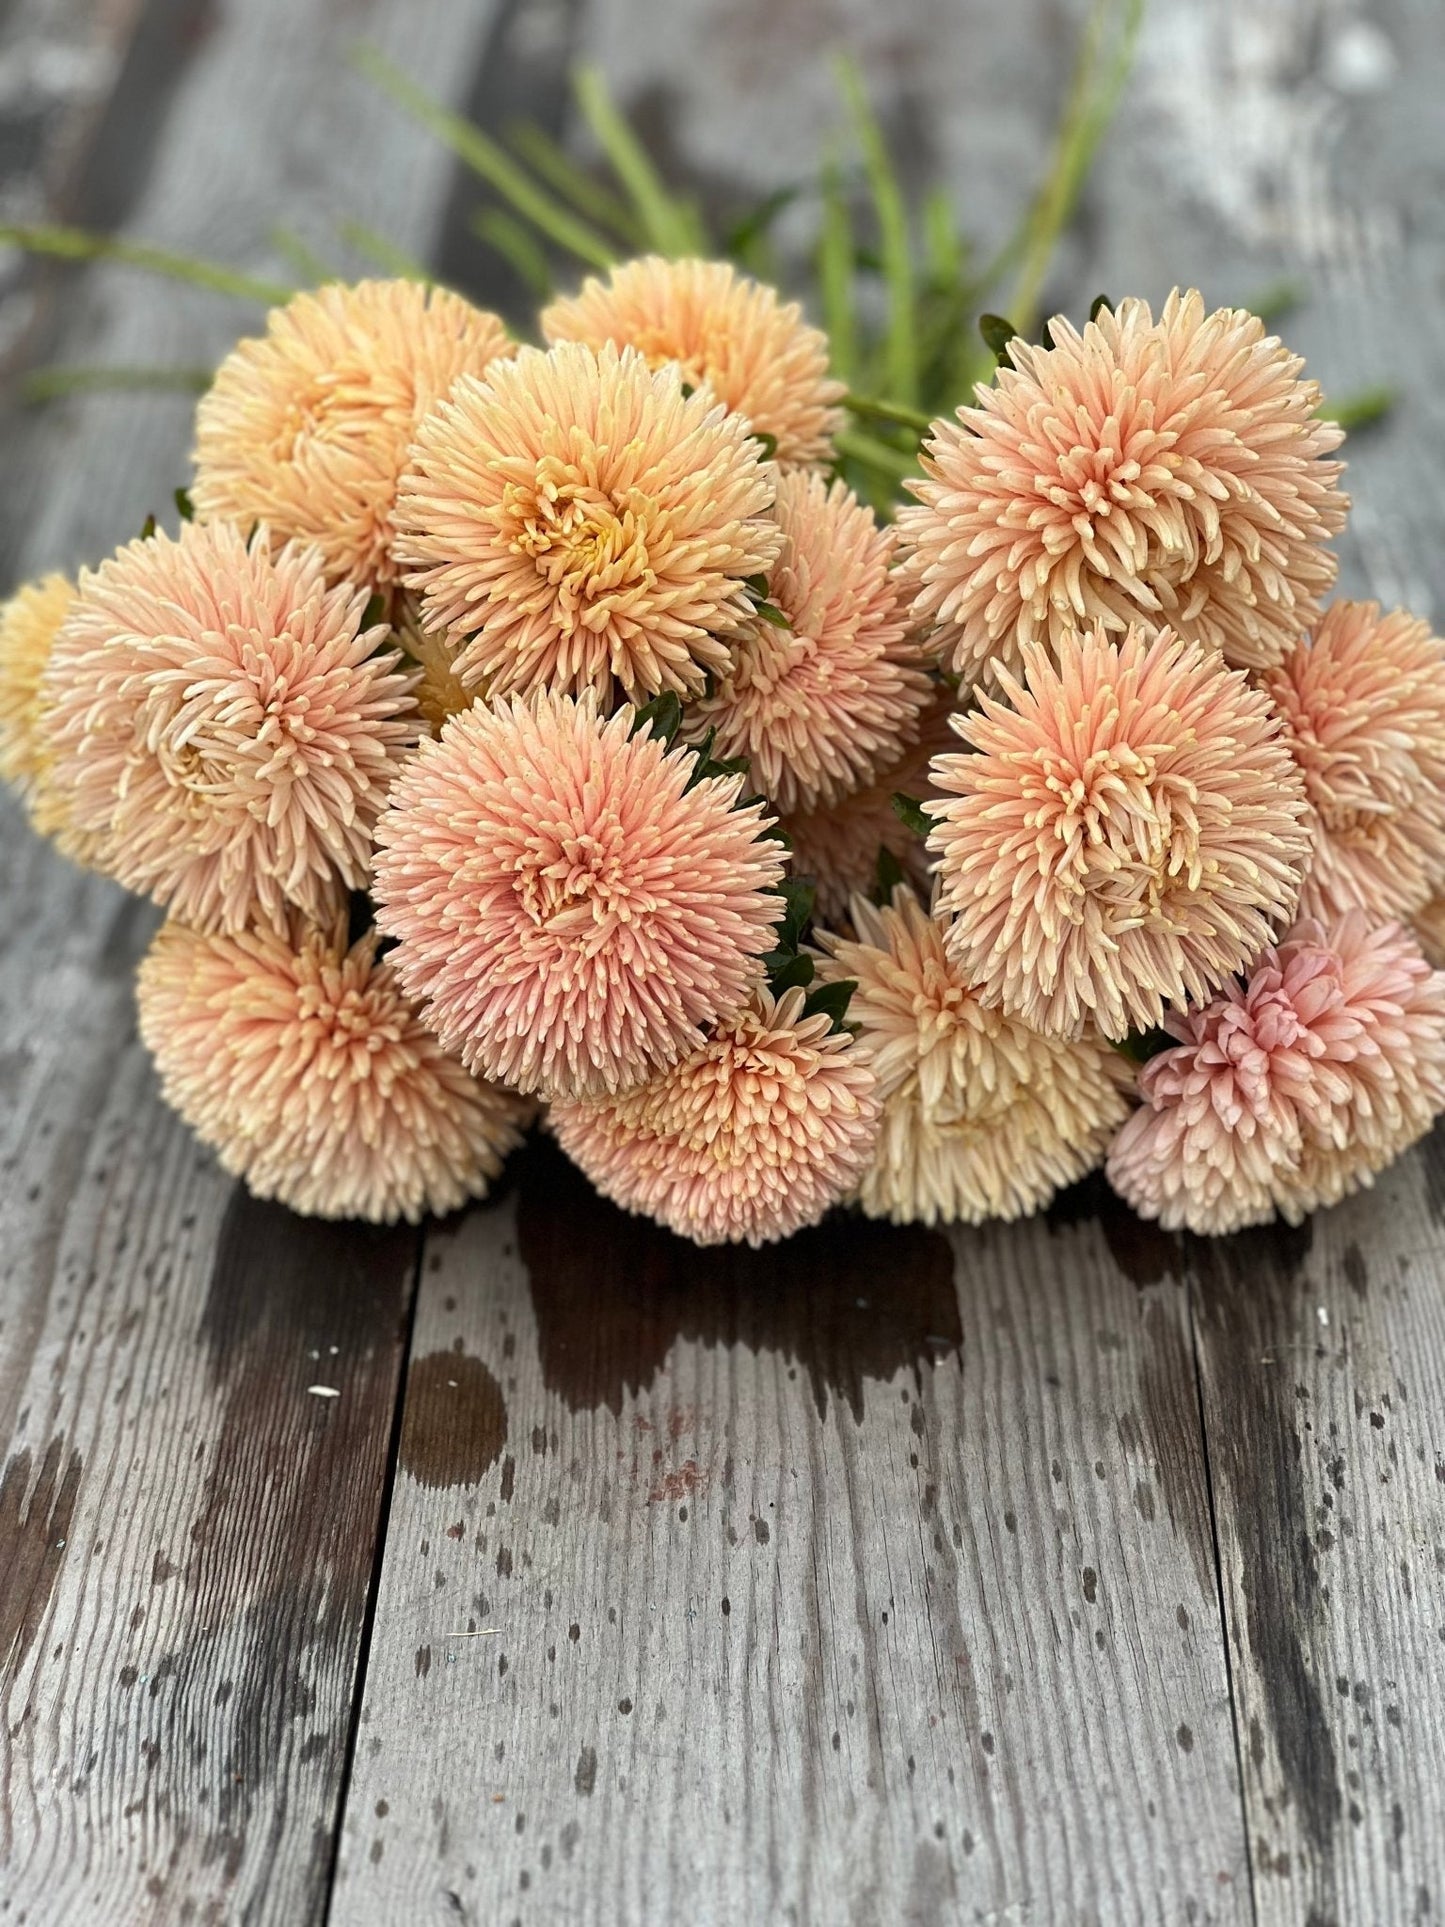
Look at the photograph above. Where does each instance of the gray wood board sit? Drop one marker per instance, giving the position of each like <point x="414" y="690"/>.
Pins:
<point x="187" y="1533"/>
<point x="867" y="1580"/>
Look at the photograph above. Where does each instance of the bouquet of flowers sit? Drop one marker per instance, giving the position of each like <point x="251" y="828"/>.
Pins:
<point x="603" y="734"/>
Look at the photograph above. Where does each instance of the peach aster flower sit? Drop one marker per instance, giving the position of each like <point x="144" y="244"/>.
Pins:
<point x="577" y="522"/>
<point x="1363" y="703"/>
<point x="1171" y="469"/>
<point x="820" y="706"/>
<point x="299" y="1061"/>
<point x="725" y="332"/>
<point x="837" y="846"/>
<point x="220" y="722"/>
<point x="569" y="910"/>
<point x="982" y="1116"/>
<point x="307" y="427"/>
<point x="29" y="624"/>
<point x="1292" y="1089"/>
<point x="1125" y="837"/>
<point x="748" y="1139"/>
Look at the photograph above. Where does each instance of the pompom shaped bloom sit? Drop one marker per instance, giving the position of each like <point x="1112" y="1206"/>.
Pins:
<point x="1291" y="1089"/>
<point x="821" y="705"/>
<point x="838" y="845"/>
<point x="748" y="1139"/>
<point x="725" y="332"/>
<point x="577" y="522"/>
<point x="1125" y="836"/>
<point x="570" y="912"/>
<point x="28" y="625"/>
<point x="307" y="427"/>
<point x="224" y="728"/>
<point x="299" y="1061"/>
<point x="1363" y="704"/>
<point x="1171" y="469"/>
<point x="982" y="1116"/>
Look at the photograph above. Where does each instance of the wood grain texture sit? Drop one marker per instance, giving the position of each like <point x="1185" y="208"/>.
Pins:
<point x="870" y="1580"/>
<point x="1323" y="1356"/>
<point x="187" y="1533"/>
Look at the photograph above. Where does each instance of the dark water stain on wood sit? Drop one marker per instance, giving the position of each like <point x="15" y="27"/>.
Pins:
<point x="1247" y="1293"/>
<point x="455" y="1421"/>
<point x="34" y="1533"/>
<point x="850" y="1300"/>
<point x="1143" y="1252"/>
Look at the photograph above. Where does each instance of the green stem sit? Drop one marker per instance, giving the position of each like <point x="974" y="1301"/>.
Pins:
<point x="869" y="408"/>
<point x="75" y="244"/>
<point x="670" y="226"/>
<point x="53" y="384"/>
<point x="875" y="454"/>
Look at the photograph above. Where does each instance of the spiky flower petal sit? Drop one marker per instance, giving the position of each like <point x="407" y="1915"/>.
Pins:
<point x="1171" y="469"/>
<point x="982" y="1116"/>
<point x="820" y="704"/>
<point x="299" y="1061"/>
<point x="732" y="335"/>
<point x="1363" y="703"/>
<point x="571" y="913"/>
<point x="307" y="427"/>
<point x="1292" y="1089"/>
<point x="1125" y="837"/>
<point x="577" y="522"/>
<point x="748" y="1139"/>
<point x="221" y="724"/>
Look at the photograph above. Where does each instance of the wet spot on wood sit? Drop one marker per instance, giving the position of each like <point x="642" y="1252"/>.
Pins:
<point x="585" y="1778"/>
<point x="856" y="1301"/>
<point x="1145" y="1254"/>
<point x="455" y="1421"/>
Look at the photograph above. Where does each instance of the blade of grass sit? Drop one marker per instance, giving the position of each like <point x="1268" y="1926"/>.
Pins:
<point x="900" y="345"/>
<point x="1098" y="80"/>
<point x="876" y="454"/>
<point x="553" y="165"/>
<point x="518" y="246"/>
<point x="835" y="275"/>
<point x="492" y="162"/>
<point x="1361" y="410"/>
<point x="309" y="266"/>
<point x="53" y="384"/>
<point x="375" y="247"/>
<point x="670" y="225"/>
<point x="75" y="244"/>
<point x="868" y="408"/>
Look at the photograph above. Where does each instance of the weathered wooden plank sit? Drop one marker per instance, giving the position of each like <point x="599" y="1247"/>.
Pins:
<point x="867" y="1580"/>
<point x="1323" y="1356"/>
<point x="186" y="1531"/>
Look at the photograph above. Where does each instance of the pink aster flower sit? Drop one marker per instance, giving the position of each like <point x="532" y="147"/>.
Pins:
<point x="1171" y="469"/>
<point x="982" y="1117"/>
<point x="223" y="726"/>
<point x="1291" y="1089"/>
<point x="724" y="331"/>
<point x="577" y="522"/>
<point x="299" y="1061"/>
<point x="821" y="705"/>
<point x="1363" y="703"/>
<point x="569" y="910"/>
<point x="1125" y="837"/>
<point x="748" y="1139"/>
<point x="307" y="427"/>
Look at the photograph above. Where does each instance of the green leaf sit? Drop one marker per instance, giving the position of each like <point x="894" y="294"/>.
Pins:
<point x="304" y="260"/>
<point x="185" y="507"/>
<point x="888" y="877"/>
<point x="875" y="454"/>
<point x="1140" y="1045"/>
<point x="374" y="612"/>
<point x="743" y="236"/>
<point x="662" y="717"/>
<point x="997" y="331"/>
<point x="900" y="343"/>
<point x="1277" y="301"/>
<point x="566" y="177"/>
<point x="867" y="408"/>
<point x="492" y="162"/>
<point x="768" y="443"/>
<point x="835" y="276"/>
<point x="74" y="244"/>
<point x="54" y="383"/>
<point x="792" y="973"/>
<point x="831" y="1000"/>
<point x="518" y="246"/>
<point x="1361" y="410"/>
<point x="757" y="587"/>
<point x="383" y="253"/>
<point x="147" y="528"/>
<point x="798" y="900"/>
<point x="771" y="613"/>
<point x="911" y="812"/>
<point x="669" y="224"/>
